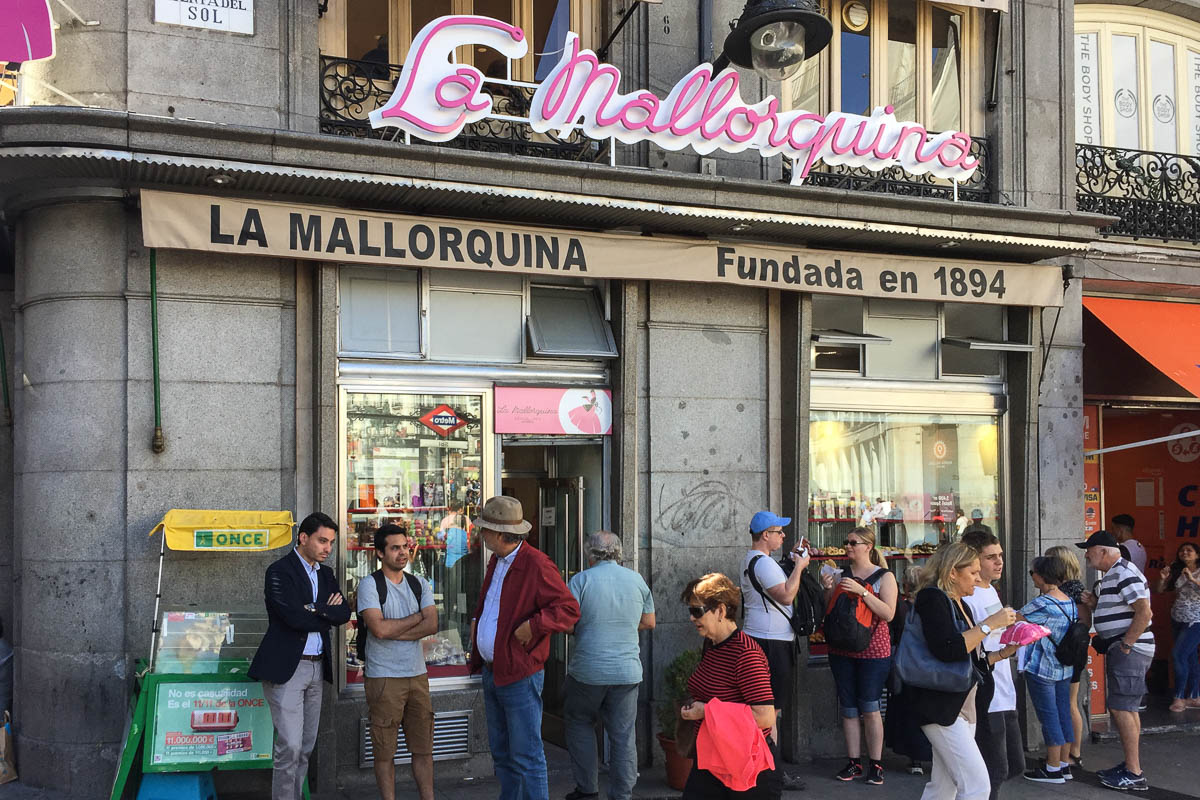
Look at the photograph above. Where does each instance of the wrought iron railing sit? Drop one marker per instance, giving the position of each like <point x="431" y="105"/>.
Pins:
<point x="350" y="90"/>
<point x="894" y="180"/>
<point x="1156" y="195"/>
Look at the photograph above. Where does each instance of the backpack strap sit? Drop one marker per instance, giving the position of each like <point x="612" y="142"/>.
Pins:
<point x="874" y="576"/>
<point x="758" y="587"/>
<point x="414" y="586"/>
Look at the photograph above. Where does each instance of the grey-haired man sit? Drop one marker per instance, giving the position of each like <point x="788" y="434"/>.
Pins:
<point x="606" y="667"/>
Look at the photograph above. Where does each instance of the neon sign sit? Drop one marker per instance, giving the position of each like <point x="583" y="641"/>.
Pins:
<point x="435" y="99"/>
<point x="26" y="31"/>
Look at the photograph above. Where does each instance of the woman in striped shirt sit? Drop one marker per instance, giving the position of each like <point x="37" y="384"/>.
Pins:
<point x="732" y="669"/>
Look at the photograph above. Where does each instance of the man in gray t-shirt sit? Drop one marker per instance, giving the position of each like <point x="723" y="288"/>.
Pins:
<point x="397" y="685"/>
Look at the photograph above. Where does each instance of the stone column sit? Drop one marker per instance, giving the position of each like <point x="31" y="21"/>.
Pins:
<point x="69" y="474"/>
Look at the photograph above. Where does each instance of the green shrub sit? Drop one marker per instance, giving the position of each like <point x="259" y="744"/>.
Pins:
<point x="674" y="689"/>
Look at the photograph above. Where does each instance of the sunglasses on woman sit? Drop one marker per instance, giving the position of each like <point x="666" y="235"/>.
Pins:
<point x="698" y="611"/>
<point x="850" y="543"/>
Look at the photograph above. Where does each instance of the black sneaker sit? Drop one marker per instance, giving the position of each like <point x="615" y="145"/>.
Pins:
<point x="1066" y="772"/>
<point x="852" y="770"/>
<point x="1043" y="775"/>
<point x="1124" y="781"/>
<point x="1114" y="770"/>
<point x="874" y="774"/>
<point x="579" y="794"/>
<point x="793" y="783"/>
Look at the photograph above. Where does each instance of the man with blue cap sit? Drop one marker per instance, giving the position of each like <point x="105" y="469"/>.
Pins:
<point x="767" y="597"/>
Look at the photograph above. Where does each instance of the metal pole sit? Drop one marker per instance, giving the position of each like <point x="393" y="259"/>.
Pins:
<point x="1143" y="443"/>
<point x="158" y="443"/>
<point x="162" y="550"/>
<point x="602" y="53"/>
<point x="4" y="380"/>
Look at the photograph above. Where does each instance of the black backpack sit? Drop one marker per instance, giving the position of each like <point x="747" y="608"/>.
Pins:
<point x="807" y="610"/>
<point x="1072" y="650"/>
<point x="361" y="633"/>
<point x="843" y="629"/>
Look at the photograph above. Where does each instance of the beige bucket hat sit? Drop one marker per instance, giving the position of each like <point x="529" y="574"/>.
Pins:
<point x="503" y="515"/>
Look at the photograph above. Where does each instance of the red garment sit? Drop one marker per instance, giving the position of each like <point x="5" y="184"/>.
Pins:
<point x="534" y="591"/>
<point x="734" y="670"/>
<point x="731" y="746"/>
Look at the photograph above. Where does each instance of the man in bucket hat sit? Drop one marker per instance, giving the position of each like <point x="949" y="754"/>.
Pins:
<point x="522" y="602"/>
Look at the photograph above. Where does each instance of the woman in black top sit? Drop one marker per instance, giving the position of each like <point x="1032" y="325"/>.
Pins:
<point x="948" y="718"/>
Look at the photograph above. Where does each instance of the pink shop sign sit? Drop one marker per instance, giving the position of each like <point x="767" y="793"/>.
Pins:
<point x="436" y="98"/>
<point x="577" y="410"/>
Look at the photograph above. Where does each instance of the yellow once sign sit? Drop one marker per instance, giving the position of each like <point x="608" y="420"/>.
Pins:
<point x="232" y="540"/>
<point x="230" y="530"/>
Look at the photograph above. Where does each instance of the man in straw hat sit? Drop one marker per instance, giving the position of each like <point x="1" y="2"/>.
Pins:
<point x="522" y="602"/>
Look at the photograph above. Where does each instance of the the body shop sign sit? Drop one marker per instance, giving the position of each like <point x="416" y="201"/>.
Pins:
<point x="553" y="411"/>
<point x="436" y="98"/>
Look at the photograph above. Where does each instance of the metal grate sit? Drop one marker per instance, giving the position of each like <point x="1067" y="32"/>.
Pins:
<point x="451" y="739"/>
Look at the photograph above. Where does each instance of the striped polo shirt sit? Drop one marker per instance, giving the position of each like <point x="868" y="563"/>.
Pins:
<point x="734" y="671"/>
<point x="1118" y="590"/>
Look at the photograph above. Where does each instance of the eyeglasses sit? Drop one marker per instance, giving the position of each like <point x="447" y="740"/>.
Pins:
<point x="850" y="543"/>
<point x="698" y="611"/>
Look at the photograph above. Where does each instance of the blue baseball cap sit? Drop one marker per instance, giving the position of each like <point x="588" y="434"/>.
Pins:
<point x="765" y="519"/>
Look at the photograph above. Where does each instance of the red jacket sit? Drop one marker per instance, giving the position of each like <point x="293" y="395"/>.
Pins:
<point x="534" y="591"/>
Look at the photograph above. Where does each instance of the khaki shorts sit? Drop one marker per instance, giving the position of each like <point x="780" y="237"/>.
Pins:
<point x="1125" y="678"/>
<point x="400" y="702"/>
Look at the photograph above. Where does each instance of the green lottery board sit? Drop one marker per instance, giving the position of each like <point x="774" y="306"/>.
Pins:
<point x="210" y="723"/>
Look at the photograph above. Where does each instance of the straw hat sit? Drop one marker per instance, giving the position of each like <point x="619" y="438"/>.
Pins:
<point x="503" y="515"/>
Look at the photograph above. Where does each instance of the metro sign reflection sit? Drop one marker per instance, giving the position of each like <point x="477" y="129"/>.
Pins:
<point x="444" y="420"/>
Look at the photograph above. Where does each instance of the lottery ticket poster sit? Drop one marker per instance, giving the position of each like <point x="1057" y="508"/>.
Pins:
<point x="209" y="723"/>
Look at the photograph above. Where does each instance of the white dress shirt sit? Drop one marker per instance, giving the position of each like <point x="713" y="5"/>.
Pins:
<point x="312" y="647"/>
<point x="485" y="633"/>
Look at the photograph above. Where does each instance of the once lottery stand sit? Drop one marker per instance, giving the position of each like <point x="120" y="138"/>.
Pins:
<point x="194" y="709"/>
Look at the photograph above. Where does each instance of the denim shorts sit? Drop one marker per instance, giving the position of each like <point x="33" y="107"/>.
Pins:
<point x="859" y="683"/>
<point x="1052" y="702"/>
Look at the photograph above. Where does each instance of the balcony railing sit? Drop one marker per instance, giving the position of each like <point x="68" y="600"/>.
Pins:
<point x="894" y="180"/>
<point x="350" y="90"/>
<point x="1156" y="195"/>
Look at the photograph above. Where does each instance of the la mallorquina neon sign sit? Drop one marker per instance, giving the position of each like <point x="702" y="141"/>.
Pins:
<point x="435" y="99"/>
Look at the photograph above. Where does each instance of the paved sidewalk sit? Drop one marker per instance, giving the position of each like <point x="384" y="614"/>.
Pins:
<point x="1169" y="761"/>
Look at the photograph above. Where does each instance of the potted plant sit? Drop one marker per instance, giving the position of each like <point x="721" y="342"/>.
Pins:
<point x="674" y="695"/>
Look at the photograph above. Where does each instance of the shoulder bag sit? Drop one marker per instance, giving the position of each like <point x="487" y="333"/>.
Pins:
<point x="917" y="666"/>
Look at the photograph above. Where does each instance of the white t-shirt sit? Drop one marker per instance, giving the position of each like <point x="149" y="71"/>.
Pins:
<point x="1137" y="554"/>
<point x="763" y="620"/>
<point x="983" y="603"/>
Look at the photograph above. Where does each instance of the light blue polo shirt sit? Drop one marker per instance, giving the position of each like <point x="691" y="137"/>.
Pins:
<point x="605" y="649"/>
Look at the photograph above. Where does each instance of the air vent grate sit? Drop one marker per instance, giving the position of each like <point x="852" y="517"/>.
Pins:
<point x="451" y="739"/>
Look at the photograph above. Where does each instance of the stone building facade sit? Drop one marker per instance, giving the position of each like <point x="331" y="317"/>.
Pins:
<point x="724" y="398"/>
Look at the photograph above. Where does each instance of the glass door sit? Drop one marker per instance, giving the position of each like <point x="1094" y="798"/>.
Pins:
<point x="415" y="460"/>
<point x="561" y="514"/>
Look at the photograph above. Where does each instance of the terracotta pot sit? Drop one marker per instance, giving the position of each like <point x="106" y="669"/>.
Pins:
<point x="678" y="767"/>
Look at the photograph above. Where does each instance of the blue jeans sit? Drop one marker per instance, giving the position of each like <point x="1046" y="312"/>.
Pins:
<point x="1052" y="702"/>
<point x="1187" y="659"/>
<point x="859" y="683"/>
<point x="616" y="707"/>
<point x="514" y="722"/>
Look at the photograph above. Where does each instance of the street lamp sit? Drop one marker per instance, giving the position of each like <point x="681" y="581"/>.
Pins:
<point x="773" y="37"/>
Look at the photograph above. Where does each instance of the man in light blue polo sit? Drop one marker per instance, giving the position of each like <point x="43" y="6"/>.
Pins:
<point x="605" y="669"/>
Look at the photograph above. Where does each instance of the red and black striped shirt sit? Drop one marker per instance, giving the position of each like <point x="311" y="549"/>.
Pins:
<point x="734" y="671"/>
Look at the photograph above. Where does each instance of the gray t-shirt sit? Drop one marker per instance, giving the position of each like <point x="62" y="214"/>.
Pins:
<point x="393" y="658"/>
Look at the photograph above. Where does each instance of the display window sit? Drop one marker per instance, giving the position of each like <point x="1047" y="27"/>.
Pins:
<point x="416" y="459"/>
<point x="919" y="479"/>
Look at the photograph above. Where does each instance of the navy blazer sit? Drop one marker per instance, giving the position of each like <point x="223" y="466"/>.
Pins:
<point x="288" y="590"/>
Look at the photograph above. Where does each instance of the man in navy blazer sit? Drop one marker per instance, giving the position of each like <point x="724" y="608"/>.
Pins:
<point x="295" y="656"/>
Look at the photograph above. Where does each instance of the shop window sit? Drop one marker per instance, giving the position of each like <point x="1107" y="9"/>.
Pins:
<point x="918" y="479"/>
<point x="568" y="322"/>
<point x="475" y="326"/>
<point x="1137" y="77"/>
<point x="911" y="331"/>
<point x="910" y="54"/>
<point x="970" y="324"/>
<point x="380" y="311"/>
<point x="838" y="334"/>
<point x="416" y="460"/>
<point x="382" y="31"/>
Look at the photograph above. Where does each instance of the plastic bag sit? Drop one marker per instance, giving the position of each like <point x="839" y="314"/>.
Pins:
<point x="1023" y="633"/>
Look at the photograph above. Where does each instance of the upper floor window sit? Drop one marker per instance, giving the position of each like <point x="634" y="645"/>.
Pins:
<point x="1137" y="79"/>
<point x="914" y="55"/>
<point x="382" y="30"/>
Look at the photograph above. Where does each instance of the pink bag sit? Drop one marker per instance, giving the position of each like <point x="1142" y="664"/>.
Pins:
<point x="1023" y="633"/>
<point x="26" y="30"/>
